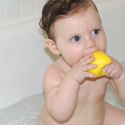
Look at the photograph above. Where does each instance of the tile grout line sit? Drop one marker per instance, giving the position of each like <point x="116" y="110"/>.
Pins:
<point x="19" y="10"/>
<point x="34" y="7"/>
<point x="4" y="14"/>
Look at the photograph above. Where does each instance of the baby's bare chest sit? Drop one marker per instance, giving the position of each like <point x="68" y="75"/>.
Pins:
<point x="92" y="90"/>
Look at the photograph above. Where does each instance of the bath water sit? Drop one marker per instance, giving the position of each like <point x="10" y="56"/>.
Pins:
<point x="25" y="112"/>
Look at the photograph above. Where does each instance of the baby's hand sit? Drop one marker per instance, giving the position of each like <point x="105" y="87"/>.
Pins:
<point x="80" y="70"/>
<point x="113" y="70"/>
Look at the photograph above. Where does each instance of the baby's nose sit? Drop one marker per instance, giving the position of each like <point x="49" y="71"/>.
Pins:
<point x="89" y="43"/>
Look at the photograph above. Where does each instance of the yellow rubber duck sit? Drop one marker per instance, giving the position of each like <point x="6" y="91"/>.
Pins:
<point x="101" y="59"/>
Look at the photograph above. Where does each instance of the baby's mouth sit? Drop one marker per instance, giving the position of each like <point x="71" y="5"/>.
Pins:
<point x="92" y="51"/>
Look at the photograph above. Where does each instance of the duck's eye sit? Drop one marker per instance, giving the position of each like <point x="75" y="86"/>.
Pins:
<point x="75" y="39"/>
<point x="95" y="32"/>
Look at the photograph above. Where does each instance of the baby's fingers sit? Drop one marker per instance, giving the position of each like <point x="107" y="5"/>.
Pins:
<point x="110" y="70"/>
<point x="88" y="67"/>
<point x="87" y="61"/>
<point x="89" y="75"/>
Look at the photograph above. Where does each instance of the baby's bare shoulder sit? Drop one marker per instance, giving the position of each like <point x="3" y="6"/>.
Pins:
<point x="53" y="76"/>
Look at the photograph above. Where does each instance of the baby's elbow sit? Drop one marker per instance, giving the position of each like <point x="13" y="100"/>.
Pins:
<point x="60" y="116"/>
<point x="60" y="119"/>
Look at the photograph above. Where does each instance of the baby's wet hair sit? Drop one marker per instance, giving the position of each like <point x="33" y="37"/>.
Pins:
<point x="56" y="9"/>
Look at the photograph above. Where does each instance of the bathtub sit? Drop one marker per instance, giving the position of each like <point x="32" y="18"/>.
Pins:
<point x="24" y="59"/>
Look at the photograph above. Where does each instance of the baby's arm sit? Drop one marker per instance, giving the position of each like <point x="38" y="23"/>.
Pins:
<point x="120" y="86"/>
<point x="62" y="92"/>
<point x="117" y="74"/>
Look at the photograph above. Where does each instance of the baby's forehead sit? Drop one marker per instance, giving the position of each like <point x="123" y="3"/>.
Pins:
<point x="67" y="19"/>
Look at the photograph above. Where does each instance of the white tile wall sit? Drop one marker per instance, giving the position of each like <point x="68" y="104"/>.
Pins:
<point x="10" y="2"/>
<point x="27" y="10"/>
<point x="1" y="3"/>
<point x="12" y="11"/>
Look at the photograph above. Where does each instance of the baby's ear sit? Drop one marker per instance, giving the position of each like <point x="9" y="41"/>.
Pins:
<point x="52" y="46"/>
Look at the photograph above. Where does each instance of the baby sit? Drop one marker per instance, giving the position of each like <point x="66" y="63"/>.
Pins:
<point x="73" y="95"/>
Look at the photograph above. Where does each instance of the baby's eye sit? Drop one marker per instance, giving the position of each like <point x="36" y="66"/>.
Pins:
<point x="75" y="39"/>
<point x="95" y="32"/>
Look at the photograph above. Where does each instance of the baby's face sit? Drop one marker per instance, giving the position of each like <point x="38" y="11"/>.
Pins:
<point x="79" y="35"/>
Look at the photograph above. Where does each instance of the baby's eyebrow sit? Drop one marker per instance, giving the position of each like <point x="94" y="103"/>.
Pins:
<point x="100" y="20"/>
<point x="99" y="26"/>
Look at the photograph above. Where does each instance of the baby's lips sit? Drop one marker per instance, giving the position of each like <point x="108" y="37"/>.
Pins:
<point x="101" y="60"/>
